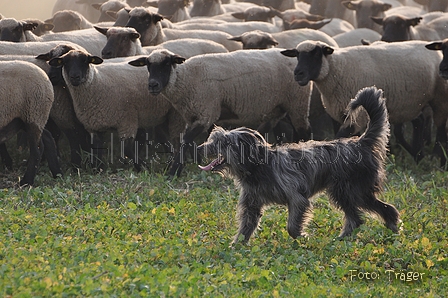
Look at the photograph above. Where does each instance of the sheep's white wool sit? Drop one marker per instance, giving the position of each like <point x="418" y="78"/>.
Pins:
<point x="120" y="30"/>
<point x="8" y="23"/>
<point x="138" y="12"/>
<point x="308" y="46"/>
<point x="159" y="55"/>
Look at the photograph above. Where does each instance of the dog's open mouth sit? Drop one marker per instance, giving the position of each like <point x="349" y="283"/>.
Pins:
<point x="214" y="164"/>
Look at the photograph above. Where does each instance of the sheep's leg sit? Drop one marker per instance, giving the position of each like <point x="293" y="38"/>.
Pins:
<point x="6" y="133"/>
<point x="50" y="152"/>
<point x="178" y="163"/>
<point x="441" y="146"/>
<point x="399" y="136"/>
<point x="7" y="160"/>
<point x="34" y="134"/>
<point x="418" y="126"/>
<point x="130" y="147"/>
<point x="96" y="150"/>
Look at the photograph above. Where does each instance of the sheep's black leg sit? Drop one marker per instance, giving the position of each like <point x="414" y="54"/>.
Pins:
<point x="441" y="146"/>
<point x="97" y="146"/>
<point x="418" y="125"/>
<point x="7" y="160"/>
<point x="399" y="136"/>
<point x="179" y="159"/>
<point x="6" y="133"/>
<point x="33" y="161"/>
<point x="130" y="147"/>
<point x="50" y="152"/>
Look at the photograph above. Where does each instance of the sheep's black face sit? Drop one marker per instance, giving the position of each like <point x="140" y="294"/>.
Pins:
<point x="395" y="29"/>
<point x="308" y="66"/>
<point x="141" y="23"/>
<point x="159" y="75"/>
<point x="13" y="34"/>
<point x="76" y="66"/>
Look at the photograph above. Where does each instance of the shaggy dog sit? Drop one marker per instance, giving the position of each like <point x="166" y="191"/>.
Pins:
<point x="351" y="170"/>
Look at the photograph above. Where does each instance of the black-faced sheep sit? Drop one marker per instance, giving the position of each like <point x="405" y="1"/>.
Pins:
<point x="364" y="9"/>
<point x="238" y="88"/>
<point x="405" y="71"/>
<point x="27" y="106"/>
<point x="125" y="42"/>
<point x="443" y="72"/>
<point x="114" y="96"/>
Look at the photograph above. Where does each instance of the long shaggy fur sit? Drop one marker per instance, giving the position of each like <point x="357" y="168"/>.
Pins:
<point x="350" y="170"/>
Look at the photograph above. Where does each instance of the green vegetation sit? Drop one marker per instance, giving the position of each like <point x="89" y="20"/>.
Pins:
<point x="124" y="234"/>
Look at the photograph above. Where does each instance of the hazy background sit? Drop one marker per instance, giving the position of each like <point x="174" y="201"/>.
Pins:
<point x="21" y="9"/>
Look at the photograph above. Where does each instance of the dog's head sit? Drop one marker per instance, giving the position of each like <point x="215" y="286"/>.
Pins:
<point x="237" y="150"/>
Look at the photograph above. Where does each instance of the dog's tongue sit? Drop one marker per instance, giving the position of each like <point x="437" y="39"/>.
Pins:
<point x="210" y="165"/>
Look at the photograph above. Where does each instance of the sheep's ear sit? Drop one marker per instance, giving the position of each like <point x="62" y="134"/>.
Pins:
<point x="29" y="26"/>
<point x="156" y="18"/>
<point x="377" y="20"/>
<point x="49" y="21"/>
<point x="236" y="38"/>
<point x="435" y="46"/>
<point x="101" y="30"/>
<point x="112" y="14"/>
<point x="349" y="5"/>
<point x="239" y="15"/>
<point x="152" y="4"/>
<point x="327" y="50"/>
<point x="134" y="36"/>
<point x="97" y="6"/>
<point x="56" y="62"/>
<point x="45" y="57"/>
<point x="386" y="6"/>
<point x="139" y="62"/>
<point x="94" y="60"/>
<point x="414" y="21"/>
<point x="48" y="27"/>
<point x="177" y="59"/>
<point x="290" y="53"/>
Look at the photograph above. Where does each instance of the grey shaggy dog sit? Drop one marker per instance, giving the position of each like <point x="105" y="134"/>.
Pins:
<point x="351" y="170"/>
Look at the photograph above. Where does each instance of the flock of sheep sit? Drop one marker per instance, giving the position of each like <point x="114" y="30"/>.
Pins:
<point x="177" y="67"/>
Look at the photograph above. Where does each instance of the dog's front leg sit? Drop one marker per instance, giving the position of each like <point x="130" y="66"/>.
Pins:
<point x="249" y="214"/>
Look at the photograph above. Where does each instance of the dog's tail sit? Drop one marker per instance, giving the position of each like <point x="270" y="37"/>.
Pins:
<point x="377" y="133"/>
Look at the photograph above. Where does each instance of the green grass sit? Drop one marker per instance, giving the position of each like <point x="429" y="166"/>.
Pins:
<point x="121" y="234"/>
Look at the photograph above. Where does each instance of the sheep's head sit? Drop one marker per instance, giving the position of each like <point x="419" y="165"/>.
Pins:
<point x="13" y="30"/>
<point x="441" y="46"/>
<point x="311" y="64"/>
<point x="76" y="66"/>
<point x="256" y="40"/>
<point x="160" y="64"/>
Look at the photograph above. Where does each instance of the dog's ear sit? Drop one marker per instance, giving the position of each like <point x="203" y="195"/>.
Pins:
<point x="253" y="148"/>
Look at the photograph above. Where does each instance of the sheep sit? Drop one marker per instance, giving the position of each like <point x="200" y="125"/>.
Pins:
<point x="334" y="9"/>
<point x="355" y="37"/>
<point x="16" y="31"/>
<point x="443" y="72"/>
<point x="364" y="9"/>
<point x="206" y="8"/>
<point x="232" y="28"/>
<point x="297" y="14"/>
<point x="174" y="10"/>
<point x="27" y="97"/>
<point x="237" y="88"/>
<point x="124" y="42"/>
<point x="82" y="6"/>
<point x="68" y="20"/>
<point x="286" y="39"/>
<point x="148" y="26"/>
<point x="42" y="27"/>
<point x="405" y="71"/>
<point x="113" y="96"/>
<point x="31" y="48"/>
<point x="62" y="112"/>
<point x="257" y="13"/>
<point x="107" y="7"/>
<point x="400" y="28"/>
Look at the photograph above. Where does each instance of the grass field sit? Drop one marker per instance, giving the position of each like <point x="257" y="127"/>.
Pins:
<point x="123" y="234"/>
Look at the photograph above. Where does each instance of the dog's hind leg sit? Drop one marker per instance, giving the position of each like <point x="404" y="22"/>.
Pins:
<point x="299" y="213"/>
<point x="249" y="214"/>
<point x="352" y="213"/>
<point x="388" y="212"/>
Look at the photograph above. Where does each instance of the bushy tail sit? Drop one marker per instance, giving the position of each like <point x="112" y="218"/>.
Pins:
<point x="377" y="133"/>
